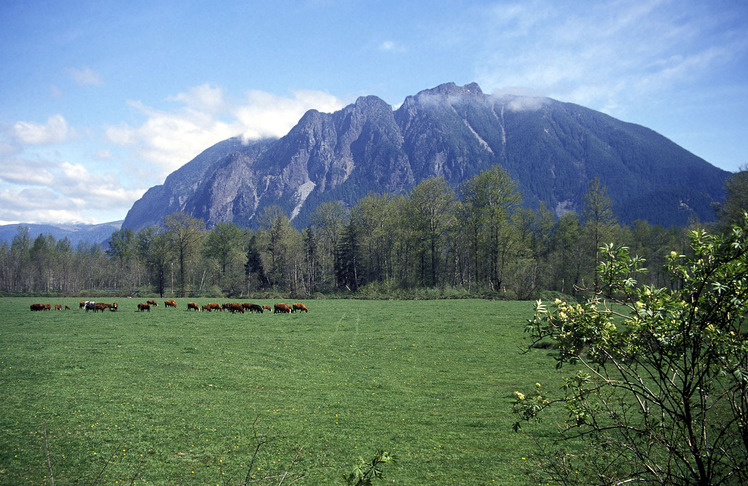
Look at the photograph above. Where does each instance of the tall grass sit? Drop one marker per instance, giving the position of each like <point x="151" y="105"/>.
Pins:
<point x="178" y="397"/>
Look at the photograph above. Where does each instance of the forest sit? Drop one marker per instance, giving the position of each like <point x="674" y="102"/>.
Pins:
<point x="435" y="241"/>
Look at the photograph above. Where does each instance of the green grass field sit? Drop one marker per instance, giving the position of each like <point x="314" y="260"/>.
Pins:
<point x="175" y="397"/>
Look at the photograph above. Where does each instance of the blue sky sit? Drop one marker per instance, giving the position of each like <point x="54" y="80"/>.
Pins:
<point x="100" y="100"/>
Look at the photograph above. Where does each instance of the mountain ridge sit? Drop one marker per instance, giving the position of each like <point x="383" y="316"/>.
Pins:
<point x="551" y="148"/>
<point x="76" y="233"/>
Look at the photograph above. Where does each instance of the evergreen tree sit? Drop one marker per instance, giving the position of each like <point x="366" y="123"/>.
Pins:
<point x="347" y="260"/>
<point x="328" y="221"/>
<point x="254" y="270"/>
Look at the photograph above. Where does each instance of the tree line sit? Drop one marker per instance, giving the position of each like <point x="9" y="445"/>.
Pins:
<point x="477" y="240"/>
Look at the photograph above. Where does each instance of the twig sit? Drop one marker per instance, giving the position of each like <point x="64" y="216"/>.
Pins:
<point x="293" y="463"/>
<point x="137" y="471"/>
<point x="111" y="456"/>
<point x="260" y="441"/>
<point x="260" y="438"/>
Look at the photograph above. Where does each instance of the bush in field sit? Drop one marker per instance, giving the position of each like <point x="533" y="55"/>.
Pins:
<point x="661" y="391"/>
<point x="364" y="472"/>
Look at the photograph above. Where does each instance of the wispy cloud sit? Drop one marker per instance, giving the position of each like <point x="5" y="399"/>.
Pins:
<point x="605" y="54"/>
<point x="391" y="46"/>
<point x="52" y="191"/>
<point x="205" y="98"/>
<point x="269" y="115"/>
<point x="56" y="130"/>
<point x="84" y="76"/>
<point x="170" y="138"/>
<point x="26" y="172"/>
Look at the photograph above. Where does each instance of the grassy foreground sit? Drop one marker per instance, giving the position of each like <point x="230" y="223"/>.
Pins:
<point x="175" y="397"/>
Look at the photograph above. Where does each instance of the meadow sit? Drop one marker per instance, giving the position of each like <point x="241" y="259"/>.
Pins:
<point x="180" y="397"/>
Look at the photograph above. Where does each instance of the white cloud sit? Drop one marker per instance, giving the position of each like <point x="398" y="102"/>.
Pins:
<point x="37" y="205"/>
<point x="39" y="186"/>
<point x="56" y="130"/>
<point x="526" y="103"/>
<point x="49" y="191"/>
<point x="18" y="171"/>
<point x="170" y="139"/>
<point x="84" y="76"/>
<point x="269" y="115"/>
<point x="204" y="98"/>
<point x="102" y="190"/>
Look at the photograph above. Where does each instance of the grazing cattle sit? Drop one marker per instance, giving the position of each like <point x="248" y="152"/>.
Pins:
<point x="47" y="306"/>
<point x="255" y="308"/>
<point x="170" y="303"/>
<point x="100" y="306"/>
<point x="37" y="307"/>
<point x="153" y="303"/>
<point x="58" y="307"/>
<point x="299" y="307"/>
<point x="206" y="308"/>
<point x="67" y="307"/>
<point x="282" y="308"/>
<point x="144" y="307"/>
<point x="90" y="305"/>
<point x="114" y="307"/>
<point x="214" y="306"/>
<point x="233" y="307"/>
<point x="246" y="305"/>
<point x="83" y="304"/>
<point x="267" y="307"/>
<point x="192" y="305"/>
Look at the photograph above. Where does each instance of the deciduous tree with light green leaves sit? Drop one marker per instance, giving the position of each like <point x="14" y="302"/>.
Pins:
<point x="660" y="389"/>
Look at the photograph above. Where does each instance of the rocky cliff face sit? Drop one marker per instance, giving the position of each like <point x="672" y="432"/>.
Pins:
<point x="552" y="149"/>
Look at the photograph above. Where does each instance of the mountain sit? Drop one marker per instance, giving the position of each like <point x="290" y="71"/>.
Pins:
<point x="552" y="149"/>
<point x="76" y="233"/>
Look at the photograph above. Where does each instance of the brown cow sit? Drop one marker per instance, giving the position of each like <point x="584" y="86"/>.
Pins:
<point x="67" y="307"/>
<point x="83" y="304"/>
<point x="47" y="306"/>
<point x="170" y="303"/>
<point x="233" y="307"/>
<point x="192" y="305"/>
<point x="144" y="307"/>
<point x="114" y="307"/>
<point x="282" y="308"/>
<point x="58" y="307"/>
<point x="206" y="308"/>
<point x="37" y="307"/>
<point x="152" y="302"/>
<point x="266" y="307"/>
<point x="299" y="307"/>
<point x="100" y="306"/>
<point x="246" y="305"/>
<point x="214" y="306"/>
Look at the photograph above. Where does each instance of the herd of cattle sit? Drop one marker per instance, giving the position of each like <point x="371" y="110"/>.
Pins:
<point x="232" y="307"/>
